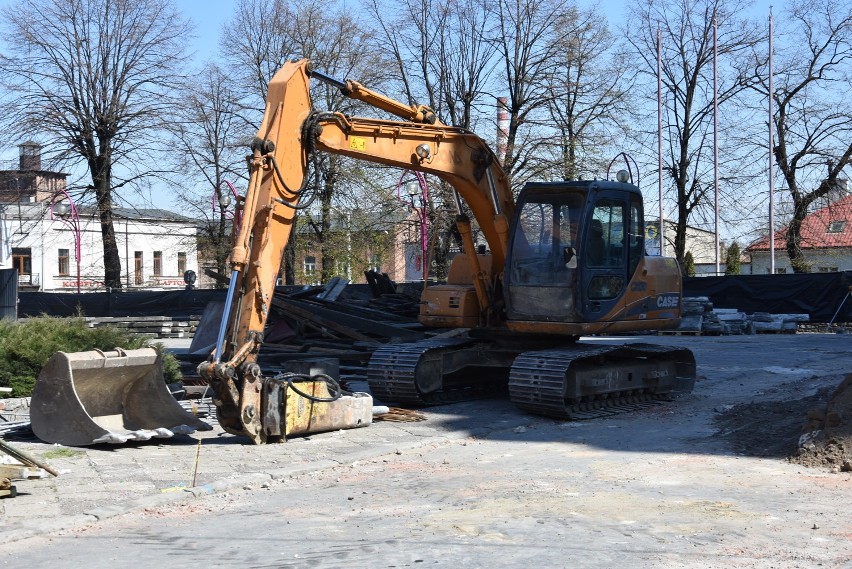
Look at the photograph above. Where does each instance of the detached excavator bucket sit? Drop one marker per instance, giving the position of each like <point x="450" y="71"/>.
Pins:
<point x="86" y="398"/>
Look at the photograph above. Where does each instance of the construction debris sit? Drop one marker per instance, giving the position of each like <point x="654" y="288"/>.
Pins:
<point x="398" y="415"/>
<point x="338" y="321"/>
<point x="699" y="316"/>
<point x="27" y="468"/>
<point x="826" y="439"/>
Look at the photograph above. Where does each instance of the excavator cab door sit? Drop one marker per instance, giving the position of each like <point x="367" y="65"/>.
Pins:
<point x="544" y="254"/>
<point x="612" y="248"/>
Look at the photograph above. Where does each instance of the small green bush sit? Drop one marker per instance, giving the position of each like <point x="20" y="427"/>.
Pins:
<point x="26" y="346"/>
<point x="732" y="266"/>
<point x="688" y="265"/>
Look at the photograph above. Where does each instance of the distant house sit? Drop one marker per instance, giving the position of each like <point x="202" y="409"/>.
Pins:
<point x="700" y="242"/>
<point x="826" y="241"/>
<point x="389" y="242"/>
<point x="28" y="183"/>
<point x="40" y="236"/>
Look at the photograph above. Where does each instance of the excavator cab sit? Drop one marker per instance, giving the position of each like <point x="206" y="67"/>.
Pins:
<point x="574" y="249"/>
<point x="544" y="250"/>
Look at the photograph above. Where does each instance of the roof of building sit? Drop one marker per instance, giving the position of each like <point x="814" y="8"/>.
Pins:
<point x="151" y="213"/>
<point x="825" y="228"/>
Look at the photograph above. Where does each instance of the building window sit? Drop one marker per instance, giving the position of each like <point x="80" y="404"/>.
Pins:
<point x="138" y="267"/>
<point x="22" y="260"/>
<point x="181" y="263"/>
<point x="827" y="269"/>
<point x="64" y="263"/>
<point x="837" y="226"/>
<point x="310" y="266"/>
<point x="376" y="263"/>
<point x="781" y="271"/>
<point x="158" y="263"/>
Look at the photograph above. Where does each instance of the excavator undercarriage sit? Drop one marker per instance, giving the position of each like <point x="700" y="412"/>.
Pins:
<point x="562" y="380"/>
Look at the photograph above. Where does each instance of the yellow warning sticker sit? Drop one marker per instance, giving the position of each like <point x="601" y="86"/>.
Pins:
<point x="358" y="143"/>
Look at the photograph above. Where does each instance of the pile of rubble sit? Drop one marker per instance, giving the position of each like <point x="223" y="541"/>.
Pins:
<point x="14" y="412"/>
<point x="700" y="317"/>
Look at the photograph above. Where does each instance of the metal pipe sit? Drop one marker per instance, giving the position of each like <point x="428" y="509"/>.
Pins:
<point x="226" y="313"/>
<point x="327" y="80"/>
<point x="716" y="137"/>
<point x="771" y="176"/>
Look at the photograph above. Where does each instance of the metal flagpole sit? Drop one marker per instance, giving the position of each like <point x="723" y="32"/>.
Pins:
<point x="716" y="136"/>
<point x="771" y="169"/>
<point x="662" y="228"/>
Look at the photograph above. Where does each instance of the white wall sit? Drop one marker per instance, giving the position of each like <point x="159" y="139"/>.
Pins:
<point x="841" y="258"/>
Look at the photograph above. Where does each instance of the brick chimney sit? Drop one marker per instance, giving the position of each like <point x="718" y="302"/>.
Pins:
<point x="30" y="156"/>
<point x="502" y="127"/>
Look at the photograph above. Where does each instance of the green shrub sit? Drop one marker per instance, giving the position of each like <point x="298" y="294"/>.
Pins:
<point x="732" y="266"/>
<point x="26" y="346"/>
<point x="688" y="265"/>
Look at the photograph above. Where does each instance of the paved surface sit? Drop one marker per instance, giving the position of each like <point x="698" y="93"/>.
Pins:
<point x="656" y="487"/>
<point x="99" y="482"/>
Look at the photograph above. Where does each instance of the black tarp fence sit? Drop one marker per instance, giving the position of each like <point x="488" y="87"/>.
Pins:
<point x="177" y="304"/>
<point x="818" y="295"/>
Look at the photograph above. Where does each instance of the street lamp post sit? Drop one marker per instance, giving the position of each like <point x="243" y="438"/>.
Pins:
<point x="68" y="215"/>
<point x="415" y="190"/>
<point x="221" y="200"/>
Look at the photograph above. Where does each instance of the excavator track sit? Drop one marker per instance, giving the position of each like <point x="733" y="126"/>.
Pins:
<point x="415" y="373"/>
<point x="587" y="382"/>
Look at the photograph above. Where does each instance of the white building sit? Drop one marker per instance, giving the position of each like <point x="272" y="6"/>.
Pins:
<point x="155" y="246"/>
<point x="700" y="242"/>
<point x="57" y="247"/>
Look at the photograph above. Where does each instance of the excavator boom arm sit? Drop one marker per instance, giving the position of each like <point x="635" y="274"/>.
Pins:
<point x="289" y="133"/>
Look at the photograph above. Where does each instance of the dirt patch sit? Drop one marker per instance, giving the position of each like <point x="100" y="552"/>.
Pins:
<point x="767" y="428"/>
<point x="814" y="431"/>
<point x="826" y="439"/>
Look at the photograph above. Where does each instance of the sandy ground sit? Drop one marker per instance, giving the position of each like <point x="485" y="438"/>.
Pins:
<point x="711" y="480"/>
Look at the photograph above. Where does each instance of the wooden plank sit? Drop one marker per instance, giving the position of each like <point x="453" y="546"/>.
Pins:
<point x="25" y="458"/>
<point x="19" y="472"/>
<point x="340" y="322"/>
<point x="333" y="289"/>
<point x="298" y="309"/>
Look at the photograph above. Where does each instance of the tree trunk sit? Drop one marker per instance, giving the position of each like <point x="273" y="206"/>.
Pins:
<point x="289" y="261"/>
<point x="680" y="228"/>
<point x="102" y="180"/>
<point x="794" y="239"/>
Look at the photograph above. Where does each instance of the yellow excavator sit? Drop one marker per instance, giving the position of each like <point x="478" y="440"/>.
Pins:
<point x="565" y="259"/>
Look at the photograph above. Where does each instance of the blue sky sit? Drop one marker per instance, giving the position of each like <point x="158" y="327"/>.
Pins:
<point x="208" y="16"/>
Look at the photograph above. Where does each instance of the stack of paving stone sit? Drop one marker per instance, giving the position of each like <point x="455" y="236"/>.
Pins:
<point x="698" y="316"/>
<point x="151" y="326"/>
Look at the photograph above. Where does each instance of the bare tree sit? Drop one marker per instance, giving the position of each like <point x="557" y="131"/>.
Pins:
<point x="465" y="62"/>
<point x="526" y="36"/>
<point x="260" y="38"/>
<point x="812" y="122"/>
<point x="441" y="57"/>
<point x="589" y="84"/>
<point x="257" y="41"/>
<point x="208" y="134"/>
<point x="686" y="28"/>
<point x="90" y="77"/>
